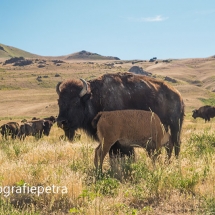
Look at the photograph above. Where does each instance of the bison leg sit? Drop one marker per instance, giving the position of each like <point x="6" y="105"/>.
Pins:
<point x="175" y="138"/>
<point x="69" y="133"/>
<point x="152" y="151"/>
<point x="118" y="150"/>
<point x="151" y="154"/>
<point x="13" y="135"/>
<point x="96" y="158"/>
<point x="22" y="137"/>
<point x="40" y="134"/>
<point x="100" y="153"/>
<point x="169" y="148"/>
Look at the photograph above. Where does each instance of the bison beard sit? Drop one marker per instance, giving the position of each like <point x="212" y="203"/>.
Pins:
<point x="80" y="101"/>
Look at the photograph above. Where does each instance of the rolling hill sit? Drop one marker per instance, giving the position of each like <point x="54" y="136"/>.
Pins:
<point x="9" y="52"/>
<point x="85" y="55"/>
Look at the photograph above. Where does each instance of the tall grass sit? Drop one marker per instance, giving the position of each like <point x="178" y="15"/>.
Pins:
<point x="184" y="186"/>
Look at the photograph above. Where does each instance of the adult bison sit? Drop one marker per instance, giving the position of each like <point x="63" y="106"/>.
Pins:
<point x="35" y="128"/>
<point x="79" y="102"/>
<point x="10" y="129"/>
<point x="205" y="112"/>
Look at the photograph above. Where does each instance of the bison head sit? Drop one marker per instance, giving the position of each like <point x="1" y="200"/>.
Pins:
<point x="195" y="114"/>
<point x="52" y="118"/>
<point x="73" y="96"/>
<point x="47" y="127"/>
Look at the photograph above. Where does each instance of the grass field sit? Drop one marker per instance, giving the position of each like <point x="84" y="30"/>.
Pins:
<point x="185" y="186"/>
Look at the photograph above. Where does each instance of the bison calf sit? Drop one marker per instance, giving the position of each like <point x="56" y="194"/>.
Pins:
<point x="130" y="128"/>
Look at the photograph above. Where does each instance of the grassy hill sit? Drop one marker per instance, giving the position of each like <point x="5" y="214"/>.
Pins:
<point x="9" y="51"/>
<point x="85" y="55"/>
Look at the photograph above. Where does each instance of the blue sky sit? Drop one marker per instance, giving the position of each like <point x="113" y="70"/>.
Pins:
<point x="128" y="29"/>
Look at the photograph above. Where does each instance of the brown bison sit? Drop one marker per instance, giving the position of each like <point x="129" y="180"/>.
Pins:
<point x="10" y="129"/>
<point x="51" y="118"/>
<point x="35" y="128"/>
<point x="80" y="101"/>
<point x="129" y="127"/>
<point x="205" y="112"/>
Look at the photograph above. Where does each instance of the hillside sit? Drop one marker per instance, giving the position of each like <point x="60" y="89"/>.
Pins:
<point x="85" y="55"/>
<point x="194" y="78"/>
<point x="9" y="51"/>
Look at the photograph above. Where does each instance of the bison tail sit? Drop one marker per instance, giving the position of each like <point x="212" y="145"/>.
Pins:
<point x="95" y="120"/>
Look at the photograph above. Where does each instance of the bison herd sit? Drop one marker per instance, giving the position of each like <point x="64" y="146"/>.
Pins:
<point x="35" y="127"/>
<point x="120" y="110"/>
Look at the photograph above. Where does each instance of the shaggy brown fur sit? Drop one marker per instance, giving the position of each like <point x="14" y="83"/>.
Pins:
<point x="129" y="127"/>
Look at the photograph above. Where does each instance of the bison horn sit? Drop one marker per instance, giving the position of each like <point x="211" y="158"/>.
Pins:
<point x="84" y="89"/>
<point x="58" y="88"/>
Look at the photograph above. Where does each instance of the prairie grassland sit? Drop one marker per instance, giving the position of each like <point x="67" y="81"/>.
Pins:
<point x="185" y="186"/>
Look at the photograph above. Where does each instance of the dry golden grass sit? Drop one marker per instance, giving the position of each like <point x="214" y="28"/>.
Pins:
<point x="185" y="186"/>
<point x="177" y="188"/>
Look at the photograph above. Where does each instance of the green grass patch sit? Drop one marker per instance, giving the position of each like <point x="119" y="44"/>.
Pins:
<point x="210" y="101"/>
<point x="202" y="144"/>
<point x="9" y="87"/>
<point x="209" y="205"/>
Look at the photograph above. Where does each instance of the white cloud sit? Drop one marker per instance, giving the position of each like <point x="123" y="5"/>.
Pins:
<point x="148" y="19"/>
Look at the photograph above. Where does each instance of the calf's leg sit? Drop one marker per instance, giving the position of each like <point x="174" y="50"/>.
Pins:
<point x="100" y="153"/>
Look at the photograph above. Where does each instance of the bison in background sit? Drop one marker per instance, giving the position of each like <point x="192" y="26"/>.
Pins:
<point x="205" y="112"/>
<point x="129" y="127"/>
<point x="35" y="128"/>
<point x="51" y="118"/>
<point x="10" y="129"/>
<point x="80" y="101"/>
